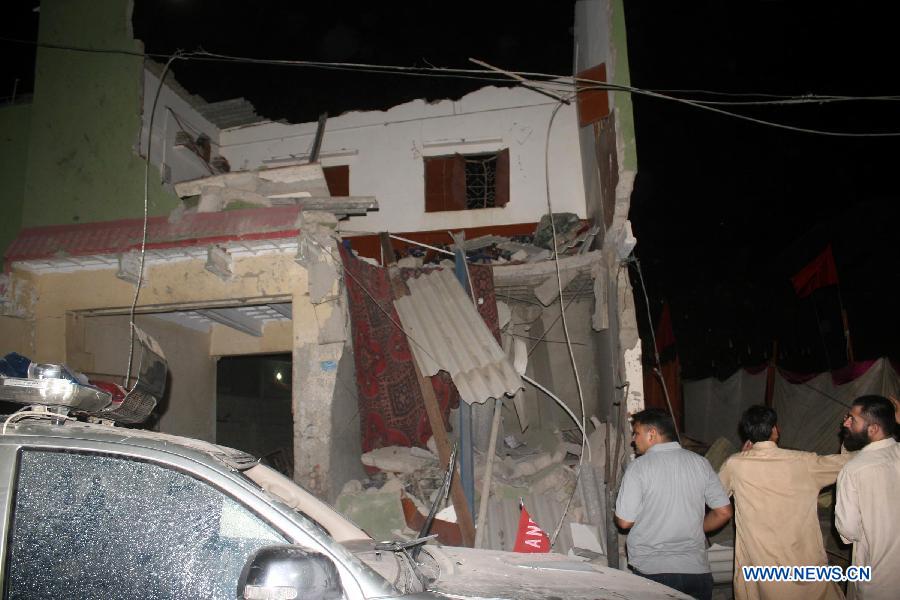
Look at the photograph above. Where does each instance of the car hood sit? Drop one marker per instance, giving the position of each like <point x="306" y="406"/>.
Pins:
<point x="469" y="573"/>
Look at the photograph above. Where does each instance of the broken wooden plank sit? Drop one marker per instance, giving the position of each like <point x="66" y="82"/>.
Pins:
<point x="457" y="496"/>
<point x="388" y="256"/>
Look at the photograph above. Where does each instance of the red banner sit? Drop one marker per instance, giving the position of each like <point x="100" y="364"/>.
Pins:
<point x="665" y="335"/>
<point x="819" y="273"/>
<point x="530" y="537"/>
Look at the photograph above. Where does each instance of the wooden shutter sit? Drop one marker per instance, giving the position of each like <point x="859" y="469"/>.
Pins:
<point x="501" y="179"/>
<point x="445" y="183"/>
<point x="593" y="105"/>
<point x="338" y="180"/>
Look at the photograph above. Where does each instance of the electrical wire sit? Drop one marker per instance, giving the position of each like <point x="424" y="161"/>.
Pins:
<point x="776" y="125"/>
<point x="662" y="380"/>
<point x="137" y="285"/>
<point x="535" y="79"/>
<point x="585" y="445"/>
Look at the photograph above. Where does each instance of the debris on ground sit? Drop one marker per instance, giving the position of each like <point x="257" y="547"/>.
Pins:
<point x="537" y="469"/>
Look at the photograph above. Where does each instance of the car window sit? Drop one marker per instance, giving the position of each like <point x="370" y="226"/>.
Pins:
<point x="96" y="526"/>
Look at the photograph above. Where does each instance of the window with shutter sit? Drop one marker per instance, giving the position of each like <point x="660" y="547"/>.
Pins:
<point x="467" y="182"/>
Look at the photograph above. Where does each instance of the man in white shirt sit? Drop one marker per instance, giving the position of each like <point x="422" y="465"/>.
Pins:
<point x="867" y="511"/>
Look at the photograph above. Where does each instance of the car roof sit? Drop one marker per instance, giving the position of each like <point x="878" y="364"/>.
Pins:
<point x="42" y="426"/>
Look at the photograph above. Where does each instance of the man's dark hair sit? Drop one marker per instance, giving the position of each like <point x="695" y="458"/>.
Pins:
<point x="877" y="410"/>
<point x="658" y="419"/>
<point x="757" y="423"/>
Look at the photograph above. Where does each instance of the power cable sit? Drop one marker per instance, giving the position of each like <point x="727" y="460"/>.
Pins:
<point x="137" y="285"/>
<point x="735" y="115"/>
<point x="585" y="446"/>
<point x="536" y="79"/>
<point x="662" y="380"/>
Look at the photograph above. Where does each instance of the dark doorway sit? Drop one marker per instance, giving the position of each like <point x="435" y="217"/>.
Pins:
<point x="253" y="407"/>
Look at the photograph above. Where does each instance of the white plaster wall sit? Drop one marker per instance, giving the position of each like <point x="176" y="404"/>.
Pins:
<point x="183" y="164"/>
<point x="385" y="151"/>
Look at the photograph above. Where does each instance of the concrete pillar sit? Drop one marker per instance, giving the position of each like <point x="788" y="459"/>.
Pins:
<point x="315" y="368"/>
<point x="319" y="335"/>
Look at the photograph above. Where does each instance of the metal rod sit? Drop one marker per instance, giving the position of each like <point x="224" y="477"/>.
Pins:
<point x="466" y="458"/>
<point x="317" y="141"/>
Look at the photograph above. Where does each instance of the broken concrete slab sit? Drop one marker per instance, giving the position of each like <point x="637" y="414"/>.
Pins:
<point x="504" y="314"/>
<point x="518" y="281"/>
<point x="586" y="537"/>
<point x="308" y="178"/>
<point x="548" y="292"/>
<point x="398" y="459"/>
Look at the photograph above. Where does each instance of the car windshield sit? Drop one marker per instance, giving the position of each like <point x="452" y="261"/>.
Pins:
<point x="283" y="489"/>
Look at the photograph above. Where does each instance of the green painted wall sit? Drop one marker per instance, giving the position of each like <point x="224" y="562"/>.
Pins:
<point x="85" y="121"/>
<point x="14" y="122"/>
<point x="622" y="76"/>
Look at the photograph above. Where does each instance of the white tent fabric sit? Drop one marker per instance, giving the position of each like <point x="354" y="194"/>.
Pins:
<point x="713" y="408"/>
<point x="810" y="414"/>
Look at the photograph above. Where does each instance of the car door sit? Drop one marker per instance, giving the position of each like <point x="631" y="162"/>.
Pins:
<point x="93" y="525"/>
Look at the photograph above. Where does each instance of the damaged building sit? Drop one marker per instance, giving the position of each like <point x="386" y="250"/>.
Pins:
<point x="326" y="242"/>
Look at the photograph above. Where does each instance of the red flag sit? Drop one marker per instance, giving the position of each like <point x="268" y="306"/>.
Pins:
<point x="530" y="537"/>
<point x="665" y="335"/>
<point x="821" y="272"/>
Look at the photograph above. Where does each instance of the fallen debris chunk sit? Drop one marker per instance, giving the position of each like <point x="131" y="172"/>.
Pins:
<point x="378" y="513"/>
<point x="397" y="459"/>
<point x="586" y="537"/>
<point x="566" y="225"/>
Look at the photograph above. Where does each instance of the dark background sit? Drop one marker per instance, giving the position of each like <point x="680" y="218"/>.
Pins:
<point x="724" y="211"/>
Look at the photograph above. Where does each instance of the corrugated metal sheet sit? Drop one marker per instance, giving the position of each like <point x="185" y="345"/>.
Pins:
<point x="448" y="334"/>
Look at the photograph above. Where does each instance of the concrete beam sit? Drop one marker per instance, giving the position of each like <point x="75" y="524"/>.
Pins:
<point x="284" y="309"/>
<point x="235" y="319"/>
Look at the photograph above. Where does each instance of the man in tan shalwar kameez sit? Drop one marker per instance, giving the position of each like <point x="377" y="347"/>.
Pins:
<point x="775" y="495"/>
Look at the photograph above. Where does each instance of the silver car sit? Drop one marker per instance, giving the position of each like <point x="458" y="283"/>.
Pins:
<point x="98" y="511"/>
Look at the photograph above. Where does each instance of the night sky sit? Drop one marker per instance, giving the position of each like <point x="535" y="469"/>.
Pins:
<point x="724" y="211"/>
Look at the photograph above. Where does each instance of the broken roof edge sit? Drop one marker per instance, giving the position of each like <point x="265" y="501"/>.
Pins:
<point x="426" y="109"/>
<point x="245" y="116"/>
<point x="512" y="275"/>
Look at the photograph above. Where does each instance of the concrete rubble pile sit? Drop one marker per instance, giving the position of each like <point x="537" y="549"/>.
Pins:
<point x="393" y="502"/>
<point x="297" y="185"/>
<point x="573" y="237"/>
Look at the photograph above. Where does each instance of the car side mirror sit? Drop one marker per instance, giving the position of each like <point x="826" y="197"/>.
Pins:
<point x="289" y="572"/>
